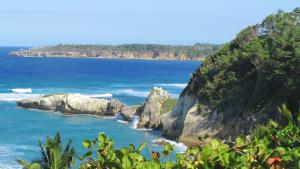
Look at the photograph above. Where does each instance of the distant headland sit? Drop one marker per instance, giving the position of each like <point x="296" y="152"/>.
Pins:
<point x="198" y="51"/>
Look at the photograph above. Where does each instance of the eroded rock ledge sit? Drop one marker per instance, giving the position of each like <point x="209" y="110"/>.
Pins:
<point x="73" y="104"/>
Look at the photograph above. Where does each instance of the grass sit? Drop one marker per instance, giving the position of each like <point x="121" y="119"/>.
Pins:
<point x="168" y="105"/>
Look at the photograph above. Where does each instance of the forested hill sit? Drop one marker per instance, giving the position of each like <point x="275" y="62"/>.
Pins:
<point x="243" y="83"/>
<point x="129" y="51"/>
<point x="258" y="70"/>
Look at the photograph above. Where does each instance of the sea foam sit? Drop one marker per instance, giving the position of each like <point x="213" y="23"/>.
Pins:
<point x="16" y="96"/>
<point x="22" y="90"/>
<point x="178" y="147"/>
<point x="131" y="92"/>
<point x="101" y="95"/>
<point x="176" y="85"/>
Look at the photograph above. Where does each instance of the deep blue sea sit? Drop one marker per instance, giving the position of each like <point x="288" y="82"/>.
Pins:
<point x="127" y="80"/>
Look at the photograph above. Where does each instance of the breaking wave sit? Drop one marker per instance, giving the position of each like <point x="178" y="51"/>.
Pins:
<point x="176" y="85"/>
<point x="16" y="96"/>
<point x="22" y="90"/>
<point x="178" y="147"/>
<point x="131" y="92"/>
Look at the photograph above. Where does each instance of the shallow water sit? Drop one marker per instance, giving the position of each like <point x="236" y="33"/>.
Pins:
<point x="128" y="80"/>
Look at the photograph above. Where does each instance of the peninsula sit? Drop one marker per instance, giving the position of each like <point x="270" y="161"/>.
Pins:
<point x="128" y="51"/>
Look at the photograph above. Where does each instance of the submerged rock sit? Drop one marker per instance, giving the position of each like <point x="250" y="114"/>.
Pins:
<point x="73" y="104"/>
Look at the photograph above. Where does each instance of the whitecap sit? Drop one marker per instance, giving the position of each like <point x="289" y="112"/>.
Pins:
<point x="176" y="85"/>
<point x="131" y="92"/>
<point x="178" y="147"/>
<point x="16" y="96"/>
<point x="21" y="90"/>
<point x="100" y="95"/>
<point x="134" y="122"/>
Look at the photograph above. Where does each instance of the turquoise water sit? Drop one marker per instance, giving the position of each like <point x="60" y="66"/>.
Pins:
<point x="128" y="80"/>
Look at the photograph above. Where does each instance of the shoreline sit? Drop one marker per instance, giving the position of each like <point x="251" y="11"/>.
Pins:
<point x="160" y="141"/>
<point x="111" y="58"/>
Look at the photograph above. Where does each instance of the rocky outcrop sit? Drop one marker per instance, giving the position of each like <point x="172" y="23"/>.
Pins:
<point x="150" y="111"/>
<point x="128" y="112"/>
<point x="73" y="104"/>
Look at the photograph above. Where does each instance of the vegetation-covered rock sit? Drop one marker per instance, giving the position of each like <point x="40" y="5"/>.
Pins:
<point x="243" y="83"/>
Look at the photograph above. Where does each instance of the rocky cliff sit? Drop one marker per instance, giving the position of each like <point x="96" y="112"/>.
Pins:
<point x="134" y="51"/>
<point x="150" y="111"/>
<point x="242" y="84"/>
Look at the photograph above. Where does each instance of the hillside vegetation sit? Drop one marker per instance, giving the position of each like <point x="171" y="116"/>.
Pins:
<point x="127" y="51"/>
<point x="257" y="71"/>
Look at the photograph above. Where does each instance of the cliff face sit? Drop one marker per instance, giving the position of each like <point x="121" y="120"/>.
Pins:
<point x="135" y="51"/>
<point x="150" y="111"/>
<point x="242" y="84"/>
<point x="107" y="54"/>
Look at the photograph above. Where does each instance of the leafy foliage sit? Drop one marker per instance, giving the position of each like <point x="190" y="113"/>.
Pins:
<point x="257" y="71"/>
<point x="53" y="155"/>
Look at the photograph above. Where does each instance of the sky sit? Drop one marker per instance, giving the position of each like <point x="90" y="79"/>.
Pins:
<point x="176" y="22"/>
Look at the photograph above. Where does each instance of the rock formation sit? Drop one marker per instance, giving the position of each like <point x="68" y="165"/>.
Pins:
<point x="150" y="111"/>
<point x="73" y="104"/>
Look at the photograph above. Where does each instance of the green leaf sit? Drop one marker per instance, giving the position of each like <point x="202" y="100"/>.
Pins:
<point x="240" y="141"/>
<point x="281" y="150"/>
<point x="168" y="148"/>
<point x="102" y="139"/>
<point x="273" y="123"/>
<point x="87" y="154"/>
<point x="141" y="147"/>
<point x="35" y="166"/>
<point x="88" y="144"/>
<point x="126" y="164"/>
<point x="285" y="112"/>
<point x="215" y="143"/>
<point x="169" y="165"/>
<point x="23" y="163"/>
<point x="131" y="148"/>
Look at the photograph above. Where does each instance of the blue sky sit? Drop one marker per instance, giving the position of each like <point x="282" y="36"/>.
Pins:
<point x="46" y="22"/>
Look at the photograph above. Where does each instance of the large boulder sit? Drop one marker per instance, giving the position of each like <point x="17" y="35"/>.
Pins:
<point x="150" y="111"/>
<point x="73" y="104"/>
<point x="128" y="112"/>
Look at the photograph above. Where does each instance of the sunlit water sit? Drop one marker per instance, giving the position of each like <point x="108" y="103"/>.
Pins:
<point x="127" y="80"/>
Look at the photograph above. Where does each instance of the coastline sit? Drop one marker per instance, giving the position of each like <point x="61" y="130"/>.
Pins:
<point x="109" y="58"/>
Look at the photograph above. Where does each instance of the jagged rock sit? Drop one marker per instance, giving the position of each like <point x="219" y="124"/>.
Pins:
<point x="173" y="122"/>
<point x="128" y="112"/>
<point x="73" y="104"/>
<point x="188" y="121"/>
<point x="149" y="112"/>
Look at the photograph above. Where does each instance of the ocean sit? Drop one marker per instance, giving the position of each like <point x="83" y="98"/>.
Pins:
<point x="127" y="80"/>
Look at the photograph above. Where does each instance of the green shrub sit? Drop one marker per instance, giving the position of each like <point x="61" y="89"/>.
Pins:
<point x="53" y="155"/>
